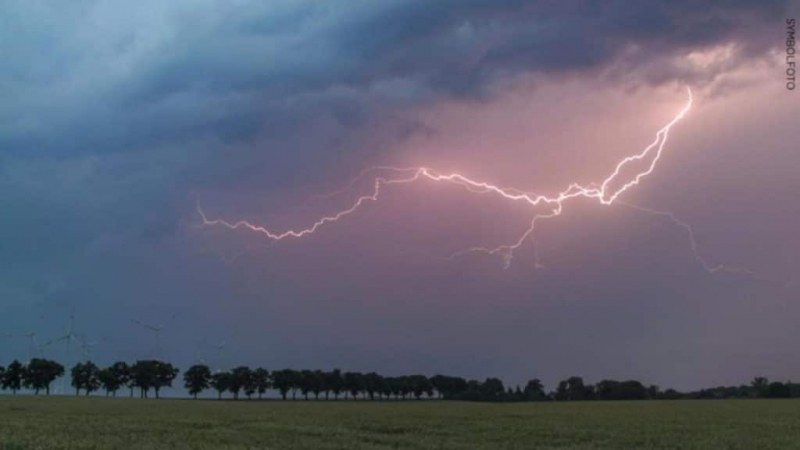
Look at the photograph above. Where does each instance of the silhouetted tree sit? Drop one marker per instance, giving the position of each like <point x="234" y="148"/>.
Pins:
<point x="142" y="377"/>
<point x="472" y="391"/>
<point x="311" y="381"/>
<point x="449" y="387"/>
<point x="165" y="373"/>
<point x="295" y="380"/>
<point x="778" y="390"/>
<point x="492" y="389"/>
<point x="306" y="382"/>
<point x="122" y="376"/>
<point x="85" y="376"/>
<point x="386" y="387"/>
<point x="458" y="385"/>
<point x="13" y="376"/>
<point x="353" y="383"/>
<point x="220" y="382"/>
<point x="240" y="378"/>
<point x="108" y="380"/>
<point x="250" y="385"/>
<point x="518" y="395"/>
<point x="391" y="387"/>
<point x="334" y="382"/>
<point x="620" y="390"/>
<point x="197" y="379"/>
<point x="573" y="389"/>
<point x="671" y="394"/>
<point x="317" y="383"/>
<point x="262" y="381"/>
<point x="534" y="390"/>
<point x="40" y="373"/>
<point x="131" y="384"/>
<point x="152" y="374"/>
<point x="653" y="392"/>
<point x="404" y="383"/>
<point x="418" y="385"/>
<point x="372" y="384"/>
<point x="282" y="381"/>
<point x="760" y="386"/>
<point x="439" y="383"/>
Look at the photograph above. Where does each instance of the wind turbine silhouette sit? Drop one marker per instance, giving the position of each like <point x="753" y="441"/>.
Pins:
<point x="86" y="346"/>
<point x="67" y="338"/>
<point x="69" y="335"/>
<point x="220" y="348"/>
<point x="156" y="329"/>
<point x="217" y="351"/>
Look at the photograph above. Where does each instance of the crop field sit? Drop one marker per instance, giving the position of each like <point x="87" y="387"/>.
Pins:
<point x="64" y="422"/>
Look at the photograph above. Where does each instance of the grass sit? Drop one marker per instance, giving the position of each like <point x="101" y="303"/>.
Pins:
<point x="63" y="422"/>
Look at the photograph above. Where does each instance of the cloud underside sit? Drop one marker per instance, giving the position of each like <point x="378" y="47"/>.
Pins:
<point x="89" y="78"/>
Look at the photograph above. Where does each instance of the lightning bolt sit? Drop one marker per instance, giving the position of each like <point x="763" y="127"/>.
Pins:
<point x="707" y="266"/>
<point x="605" y="193"/>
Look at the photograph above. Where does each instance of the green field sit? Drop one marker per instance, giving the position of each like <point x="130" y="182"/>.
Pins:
<point x="63" y="422"/>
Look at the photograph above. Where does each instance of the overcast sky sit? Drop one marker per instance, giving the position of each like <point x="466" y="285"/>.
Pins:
<point x="118" y="118"/>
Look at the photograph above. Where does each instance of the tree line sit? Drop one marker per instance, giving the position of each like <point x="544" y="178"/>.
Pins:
<point x="152" y="375"/>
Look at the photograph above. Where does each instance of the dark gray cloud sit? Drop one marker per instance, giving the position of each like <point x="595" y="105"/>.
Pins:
<point x="89" y="78"/>
<point x="242" y="86"/>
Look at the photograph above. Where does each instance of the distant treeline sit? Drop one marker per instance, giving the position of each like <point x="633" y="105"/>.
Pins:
<point x="152" y="375"/>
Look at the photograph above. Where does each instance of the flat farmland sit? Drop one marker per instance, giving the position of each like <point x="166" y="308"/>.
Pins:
<point x="103" y="423"/>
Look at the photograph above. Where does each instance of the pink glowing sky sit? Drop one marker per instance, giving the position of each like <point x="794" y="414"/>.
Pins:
<point x="614" y="283"/>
